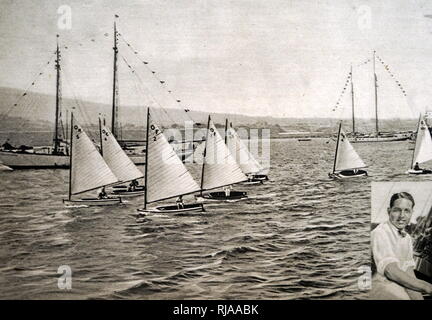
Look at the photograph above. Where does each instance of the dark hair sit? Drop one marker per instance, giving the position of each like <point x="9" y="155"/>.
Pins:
<point x="401" y="195"/>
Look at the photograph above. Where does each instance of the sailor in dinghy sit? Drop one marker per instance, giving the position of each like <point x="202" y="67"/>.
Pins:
<point x="219" y="169"/>
<point x="166" y="176"/>
<point x="120" y="163"/>
<point x="422" y="150"/>
<point x="88" y="170"/>
<point x="347" y="163"/>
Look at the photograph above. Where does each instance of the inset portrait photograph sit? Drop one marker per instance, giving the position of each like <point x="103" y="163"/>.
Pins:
<point x="401" y="241"/>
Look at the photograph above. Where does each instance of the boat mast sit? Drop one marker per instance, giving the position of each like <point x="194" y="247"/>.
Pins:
<point x="67" y="130"/>
<point x="226" y="130"/>
<point x="57" y="112"/>
<point x="114" y="93"/>
<point x="337" y="146"/>
<point x="146" y="160"/>
<point x="352" y="102"/>
<point x="100" y="137"/>
<point x="376" y="96"/>
<point x="204" y="156"/>
<point x="70" y="158"/>
<point x="418" y="126"/>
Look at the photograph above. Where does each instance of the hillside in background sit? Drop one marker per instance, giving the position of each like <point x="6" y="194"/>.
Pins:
<point x="35" y="112"/>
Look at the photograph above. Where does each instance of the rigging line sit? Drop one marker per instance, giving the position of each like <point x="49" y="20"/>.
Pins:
<point x="22" y="96"/>
<point x="25" y="107"/>
<point x="397" y="83"/>
<point x="363" y="63"/>
<point x="136" y="75"/>
<point x="396" y="80"/>
<point x="29" y="106"/>
<point x="35" y="78"/>
<point x="149" y="91"/>
<point x="85" y="118"/>
<point x="341" y="95"/>
<point x="137" y="89"/>
<point x="161" y="82"/>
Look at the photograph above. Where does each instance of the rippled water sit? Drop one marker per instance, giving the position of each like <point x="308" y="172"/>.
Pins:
<point x="303" y="236"/>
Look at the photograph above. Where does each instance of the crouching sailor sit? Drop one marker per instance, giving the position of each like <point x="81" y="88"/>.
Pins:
<point x="102" y="194"/>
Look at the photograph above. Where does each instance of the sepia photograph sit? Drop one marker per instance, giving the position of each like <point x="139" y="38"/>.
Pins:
<point x="225" y="150"/>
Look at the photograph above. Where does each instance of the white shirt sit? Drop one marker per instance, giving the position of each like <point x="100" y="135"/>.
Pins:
<point x="389" y="246"/>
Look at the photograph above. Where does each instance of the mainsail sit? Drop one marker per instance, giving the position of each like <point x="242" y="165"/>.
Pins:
<point x="423" y="146"/>
<point x="346" y="157"/>
<point x="88" y="169"/>
<point x="118" y="161"/>
<point x="167" y="176"/>
<point x="240" y="152"/>
<point x="219" y="168"/>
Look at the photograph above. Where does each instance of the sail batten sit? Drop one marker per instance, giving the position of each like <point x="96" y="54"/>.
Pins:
<point x="346" y="157"/>
<point x="89" y="170"/>
<point x="167" y="175"/>
<point x="118" y="161"/>
<point x="220" y="167"/>
<point x="423" y="146"/>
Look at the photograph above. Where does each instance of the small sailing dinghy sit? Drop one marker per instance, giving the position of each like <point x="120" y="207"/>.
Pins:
<point x="422" y="150"/>
<point x="347" y="163"/>
<point x="248" y="164"/>
<point x="120" y="164"/>
<point x="166" y="176"/>
<point x="88" y="170"/>
<point x="219" y="169"/>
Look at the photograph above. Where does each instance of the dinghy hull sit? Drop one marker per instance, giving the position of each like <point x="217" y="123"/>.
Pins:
<point x="252" y="182"/>
<point x="28" y="160"/>
<point x="174" y="208"/>
<point x="348" y="174"/>
<point x="381" y="138"/>
<point x="123" y="191"/>
<point x="221" y="196"/>
<point x="419" y="172"/>
<point x="261" y="177"/>
<point x="93" y="202"/>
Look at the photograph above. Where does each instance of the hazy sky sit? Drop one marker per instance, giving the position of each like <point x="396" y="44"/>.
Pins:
<point x="262" y="57"/>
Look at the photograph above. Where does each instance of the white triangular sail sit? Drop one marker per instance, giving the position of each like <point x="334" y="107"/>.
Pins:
<point x="167" y="175"/>
<point x="423" y="146"/>
<point x="347" y="158"/>
<point x="115" y="157"/>
<point x="89" y="169"/>
<point x="220" y="168"/>
<point x="240" y="152"/>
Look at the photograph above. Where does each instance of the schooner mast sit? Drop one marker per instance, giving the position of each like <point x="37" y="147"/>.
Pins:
<point x="376" y="136"/>
<point x="352" y="102"/>
<point x="115" y="88"/>
<point x="376" y="96"/>
<point x="57" y="112"/>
